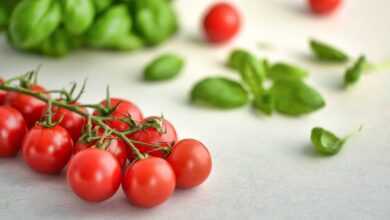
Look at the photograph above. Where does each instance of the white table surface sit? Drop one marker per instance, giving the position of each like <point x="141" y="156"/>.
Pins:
<point x="264" y="168"/>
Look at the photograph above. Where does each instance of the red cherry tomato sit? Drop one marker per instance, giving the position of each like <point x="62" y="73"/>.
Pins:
<point x="148" y="182"/>
<point x="12" y="130"/>
<point x="3" y="94"/>
<point x="116" y="146"/>
<point x="152" y="136"/>
<point x="221" y="23"/>
<point x="31" y="108"/>
<point x="191" y="162"/>
<point x="47" y="150"/>
<point x="94" y="175"/>
<point x="123" y="109"/>
<point x="324" y="6"/>
<point x="72" y="122"/>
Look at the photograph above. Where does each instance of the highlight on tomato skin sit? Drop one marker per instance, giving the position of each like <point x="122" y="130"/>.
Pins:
<point x="221" y="22"/>
<point x="324" y="7"/>
<point x="13" y="128"/>
<point x="47" y="150"/>
<point x="148" y="182"/>
<point x="94" y="175"/>
<point x="191" y="162"/>
<point x="31" y="108"/>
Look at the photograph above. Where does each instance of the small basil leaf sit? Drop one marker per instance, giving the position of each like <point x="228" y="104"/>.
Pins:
<point x="354" y="73"/>
<point x="236" y="58"/>
<point x="295" y="98"/>
<point x="165" y="67"/>
<point x="264" y="103"/>
<point x="219" y="92"/>
<point x="326" y="52"/>
<point x="280" y="71"/>
<point x="253" y="73"/>
<point x="325" y="142"/>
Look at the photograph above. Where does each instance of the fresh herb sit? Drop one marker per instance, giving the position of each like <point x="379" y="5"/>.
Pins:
<point x="166" y="66"/>
<point x="295" y="98"/>
<point x="326" y="142"/>
<point x="253" y="74"/>
<point x="236" y="58"/>
<point x="326" y="52"/>
<point x="219" y="92"/>
<point x="264" y="103"/>
<point x="354" y="73"/>
<point x="279" y="71"/>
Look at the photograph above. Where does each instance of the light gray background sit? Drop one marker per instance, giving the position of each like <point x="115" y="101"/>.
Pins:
<point x="264" y="168"/>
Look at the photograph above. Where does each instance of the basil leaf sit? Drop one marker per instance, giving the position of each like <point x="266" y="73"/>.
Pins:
<point x="219" y="92"/>
<point x="236" y="58"/>
<point x="325" y="52"/>
<point x="253" y="73"/>
<point x="295" y="98"/>
<point x="165" y="67"/>
<point x="325" y="142"/>
<point x="264" y="103"/>
<point x="279" y="71"/>
<point x="354" y="73"/>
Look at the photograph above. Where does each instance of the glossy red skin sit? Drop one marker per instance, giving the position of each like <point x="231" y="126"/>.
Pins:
<point x="47" y="150"/>
<point x="148" y="182"/>
<point x="31" y="108"/>
<point x="152" y="136"/>
<point x="191" y="162"/>
<point x="12" y="131"/>
<point x="324" y="7"/>
<point x="94" y="175"/>
<point x="124" y="109"/>
<point x="3" y="94"/>
<point x="221" y="23"/>
<point x="117" y="148"/>
<point x="72" y="122"/>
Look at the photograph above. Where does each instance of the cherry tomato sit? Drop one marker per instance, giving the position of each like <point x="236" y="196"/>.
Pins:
<point x="94" y="175"/>
<point x="31" y="108"/>
<point x="221" y="23"/>
<point x="123" y="109"/>
<point x="148" y="182"/>
<point x="191" y="162"/>
<point x="116" y="146"/>
<point x="72" y="122"/>
<point x="324" y="6"/>
<point x="3" y="94"/>
<point x="152" y="136"/>
<point x="12" y="130"/>
<point x="47" y="150"/>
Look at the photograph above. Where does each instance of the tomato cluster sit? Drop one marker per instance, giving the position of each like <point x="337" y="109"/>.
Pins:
<point x="113" y="145"/>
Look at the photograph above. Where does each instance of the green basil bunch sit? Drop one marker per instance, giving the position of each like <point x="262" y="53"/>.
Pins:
<point x="55" y="27"/>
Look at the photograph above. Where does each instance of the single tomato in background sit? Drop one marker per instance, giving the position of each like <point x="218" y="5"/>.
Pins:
<point x="191" y="162"/>
<point x="123" y="109"/>
<point x="153" y="136"/>
<point x="12" y="131"/>
<point x="3" y="94"/>
<point x="71" y="121"/>
<point x="94" y="175"/>
<point x="31" y="108"/>
<point x="221" y="23"/>
<point x="323" y="7"/>
<point x="148" y="182"/>
<point x="47" y="149"/>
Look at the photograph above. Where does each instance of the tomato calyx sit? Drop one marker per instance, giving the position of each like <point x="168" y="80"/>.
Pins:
<point x="47" y="121"/>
